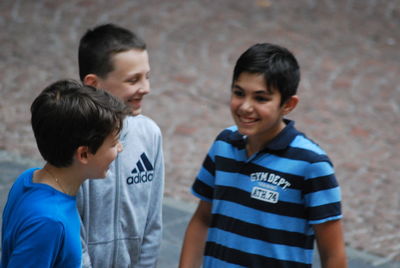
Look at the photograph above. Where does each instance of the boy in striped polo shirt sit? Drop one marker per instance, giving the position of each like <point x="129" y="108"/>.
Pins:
<point x="266" y="191"/>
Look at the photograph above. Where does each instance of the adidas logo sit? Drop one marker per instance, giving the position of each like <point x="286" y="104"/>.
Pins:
<point x="143" y="171"/>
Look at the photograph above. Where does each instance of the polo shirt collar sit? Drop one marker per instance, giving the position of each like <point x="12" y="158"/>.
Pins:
<point x="283" y="139"/>
<point x="238" y="140"/>
<point x="280" y="142"/>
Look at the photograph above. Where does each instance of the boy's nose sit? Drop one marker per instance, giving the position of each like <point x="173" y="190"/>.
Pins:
<point x="144" y="88"/>
<point x="246" y="106"/>
<point x="120" y="147"/>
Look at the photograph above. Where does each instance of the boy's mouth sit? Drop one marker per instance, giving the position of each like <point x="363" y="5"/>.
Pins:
<point x="137" y="103"/>
<point x="247" y="120"/>
<point x="135" y="99"/>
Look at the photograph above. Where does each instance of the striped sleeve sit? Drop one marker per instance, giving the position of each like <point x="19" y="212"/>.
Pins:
<point x="321" y="190"/>
<point x="203" y="186"/>
<point x="322" y="193"/>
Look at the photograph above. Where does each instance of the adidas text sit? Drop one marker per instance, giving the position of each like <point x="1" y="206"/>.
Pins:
<point x="141" y="177"/>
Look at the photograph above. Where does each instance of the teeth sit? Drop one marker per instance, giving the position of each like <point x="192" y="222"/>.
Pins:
<point x="247" y="120"/>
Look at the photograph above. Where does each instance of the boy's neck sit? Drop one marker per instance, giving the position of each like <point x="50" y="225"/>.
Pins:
<point x="257" y="143"/>
<point x="62" y="179"/>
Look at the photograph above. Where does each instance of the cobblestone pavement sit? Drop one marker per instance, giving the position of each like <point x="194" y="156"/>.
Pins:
<point x="350" y="88"/>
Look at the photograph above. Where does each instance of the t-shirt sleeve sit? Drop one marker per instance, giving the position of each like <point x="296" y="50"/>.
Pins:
<point x="203" y="186"/>
<point x="322" y="193"/>
<point x="38" y="244"/>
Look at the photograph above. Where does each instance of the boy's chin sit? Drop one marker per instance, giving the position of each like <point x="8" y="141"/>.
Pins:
<point x="245" y="131"/>
<point x="108" y="173"/>
<point x="135" y="112"/>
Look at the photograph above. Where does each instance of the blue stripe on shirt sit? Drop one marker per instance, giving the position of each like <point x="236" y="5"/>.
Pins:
<point x="254" y="246"/>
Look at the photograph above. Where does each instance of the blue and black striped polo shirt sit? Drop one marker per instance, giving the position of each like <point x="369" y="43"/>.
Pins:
<point x="263" y="206"/>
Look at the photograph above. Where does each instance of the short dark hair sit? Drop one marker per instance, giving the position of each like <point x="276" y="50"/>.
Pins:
<point x="277" y="64"/>
<point x="67" y="115"/>
<point x="98" y="45"/>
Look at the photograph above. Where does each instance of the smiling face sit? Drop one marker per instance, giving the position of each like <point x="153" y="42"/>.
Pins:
<point x="129" y="80"/>
<point x="256" y="110"/>
<point x="107" y="152"/>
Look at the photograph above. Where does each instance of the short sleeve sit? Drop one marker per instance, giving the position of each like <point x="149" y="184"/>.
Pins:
<point x="38" y="244"/>
<point x="322" y="193"/>
<point x="203" y="186"/>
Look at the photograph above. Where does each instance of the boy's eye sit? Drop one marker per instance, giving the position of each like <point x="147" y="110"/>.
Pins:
<point x="132" y="81"/>
<point x="237" y="93"/>
<point x="261" y="99"/>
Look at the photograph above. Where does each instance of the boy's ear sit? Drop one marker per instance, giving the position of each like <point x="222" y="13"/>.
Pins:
<point x="91" y="80"/>
<point x="82" y="154"/>
<point x="290" y="104"/>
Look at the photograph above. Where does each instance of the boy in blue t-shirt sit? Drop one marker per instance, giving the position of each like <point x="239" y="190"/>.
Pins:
<point x="266" y="191"/>
<point x="77" y="133"/>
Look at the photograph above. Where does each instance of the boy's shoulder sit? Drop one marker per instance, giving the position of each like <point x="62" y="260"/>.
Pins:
<point x="140" y="129"/>
<point x="232" y="137"/>
<point x="294" y="144"/>
<point x="141" y="123"/>
<point x="23" y="180"/>
<point x="39" y="200"/>
<point x="308" y="150"/>
<point x="230" y="134"/>
<point x="301" y="141"/>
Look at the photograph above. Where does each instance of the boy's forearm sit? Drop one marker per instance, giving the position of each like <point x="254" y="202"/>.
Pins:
<point x="86" y="263"/>
<point x="151" y="244"/>
<point x="331" y="244"/>
<point x="334" y="262"/>
<point x="193" y="246"/>
<point x="195" y="237"/>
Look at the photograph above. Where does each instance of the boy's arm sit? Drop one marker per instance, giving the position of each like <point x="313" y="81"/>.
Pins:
<point x="80" y="201"/>
<point x="34" y="247"/>
<point x="195" y="237"/>
<point x="86" y="263"/>
<point x="330" y="241"/>
<point x="150" y="247"/>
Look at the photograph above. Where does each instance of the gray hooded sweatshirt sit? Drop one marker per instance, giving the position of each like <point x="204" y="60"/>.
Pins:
<point x="121" y="214"/>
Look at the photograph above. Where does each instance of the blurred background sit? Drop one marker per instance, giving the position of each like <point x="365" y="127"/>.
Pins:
<point x="349" y="93"/>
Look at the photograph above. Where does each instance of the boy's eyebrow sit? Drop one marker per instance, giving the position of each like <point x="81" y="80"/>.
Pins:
<point x="134" y="75"/>
<point x="131" y="76"/>
<point x="258" y="92"/>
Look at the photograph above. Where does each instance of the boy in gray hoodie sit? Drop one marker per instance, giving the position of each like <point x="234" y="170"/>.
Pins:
<point x="121" y="216"/>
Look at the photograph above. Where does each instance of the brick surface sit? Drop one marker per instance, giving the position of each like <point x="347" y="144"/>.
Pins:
<point x="350" y="89"/>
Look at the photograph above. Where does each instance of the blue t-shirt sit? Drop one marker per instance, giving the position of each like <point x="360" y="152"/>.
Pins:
<point x="264" y="206"/>
<point x="40" y="227"/>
